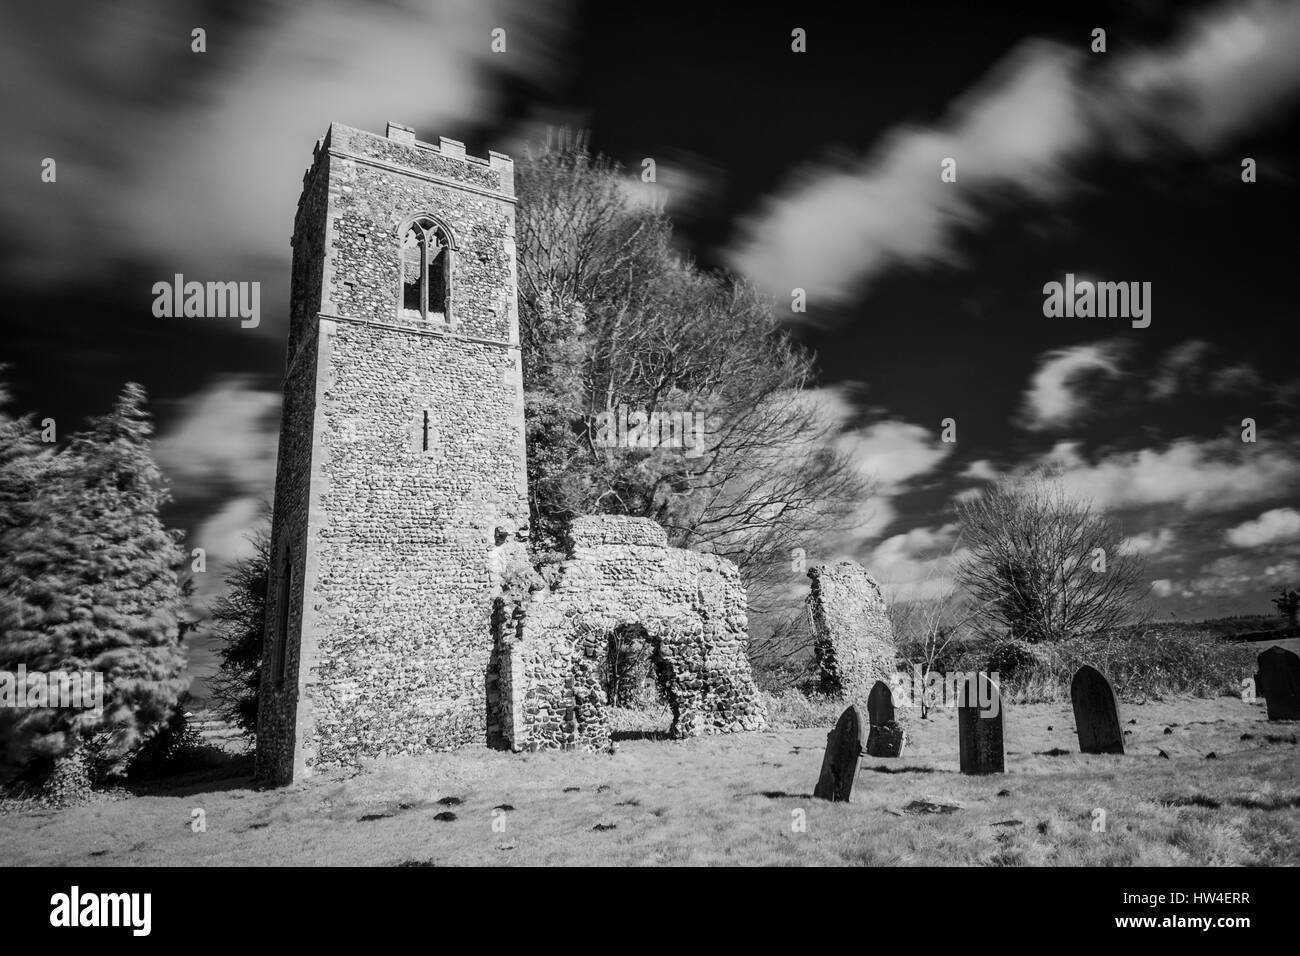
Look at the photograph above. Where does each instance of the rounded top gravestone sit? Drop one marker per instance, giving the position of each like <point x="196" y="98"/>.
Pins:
<point x="885" y="737"/>
<point x="880" y="705"/>
<point x="843" y="753"/>
<point x="1279" y="681"/>
<point x="1096" y="715"/>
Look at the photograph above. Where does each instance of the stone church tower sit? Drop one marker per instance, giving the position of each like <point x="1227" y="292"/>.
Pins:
<point x="401" y="461"/>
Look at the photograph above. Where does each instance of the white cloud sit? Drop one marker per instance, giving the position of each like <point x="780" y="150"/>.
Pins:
<point x="1148" y="542"/>
<point x="834" y="226"/>
<point x="890" y="455"/>
<point x="981" y="470"/>
<point x="1205" y="476"/>
<point x="1233" y="67"/>
<point x="1235" y="575"/>
<point x="225" y="539"/>
<point x="1057" y="392"/>
<point x="1185" y="369"/>
<point x="1177" y="368"/>
<point x="917" y="565"/>
<point x="894" y="453"/>
<point x="1235" y="378"/>
<point x="1272" y="527"/>
<point x="225" y="440"/>
<point x="681" y="182"/>
<point x="206" y="180"/>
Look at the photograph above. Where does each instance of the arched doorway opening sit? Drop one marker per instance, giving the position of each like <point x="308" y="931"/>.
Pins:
<point x="636" y="682"/>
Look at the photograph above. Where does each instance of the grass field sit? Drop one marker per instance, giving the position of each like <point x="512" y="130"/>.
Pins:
<point x="738" y="800"/>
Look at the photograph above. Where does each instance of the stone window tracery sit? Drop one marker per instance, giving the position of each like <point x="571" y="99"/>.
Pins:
<point x="426" y="271"/>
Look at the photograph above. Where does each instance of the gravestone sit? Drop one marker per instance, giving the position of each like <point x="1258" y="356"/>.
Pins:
<point x="1278" y="680"/>
<point x="1096" y="716"/>
<point x="979" y="732"/>
<point x="885" y="737"/>
<point x="840" y="765"/>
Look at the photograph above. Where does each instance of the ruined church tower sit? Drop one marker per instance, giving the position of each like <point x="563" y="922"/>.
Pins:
<point x="401" y="460"/>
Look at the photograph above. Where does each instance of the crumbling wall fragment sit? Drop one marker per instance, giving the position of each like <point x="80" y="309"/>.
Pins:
<point x="853" y="638"/>
<point x="621" y="574"/>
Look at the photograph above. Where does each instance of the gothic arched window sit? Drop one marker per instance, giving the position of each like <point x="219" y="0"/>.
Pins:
<point x="426" y="271"/>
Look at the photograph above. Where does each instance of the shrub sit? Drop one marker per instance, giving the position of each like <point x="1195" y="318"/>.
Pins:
<point x="791" y="709"/>
<point x="176" y="747"/>
<point x="1140" y="663"/>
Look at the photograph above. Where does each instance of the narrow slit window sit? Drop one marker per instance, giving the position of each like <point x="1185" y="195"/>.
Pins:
<point x="425" y="439"/>
<point x="282" y="638"/>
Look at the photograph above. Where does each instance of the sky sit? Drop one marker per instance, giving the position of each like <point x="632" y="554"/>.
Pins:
<point x="817" y="170"/>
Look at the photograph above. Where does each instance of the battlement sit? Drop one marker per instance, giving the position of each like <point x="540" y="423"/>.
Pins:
<point x="446" y="146"/>
<point x="400" y="150"/>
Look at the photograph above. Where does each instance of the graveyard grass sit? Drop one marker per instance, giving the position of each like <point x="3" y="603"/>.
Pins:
<point x="734" y="800"/>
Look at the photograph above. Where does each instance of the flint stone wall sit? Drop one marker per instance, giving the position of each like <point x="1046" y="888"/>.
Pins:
<point x="621" y="574"/>
<point x="389" y="543"/>
<point x="853" y="638"/>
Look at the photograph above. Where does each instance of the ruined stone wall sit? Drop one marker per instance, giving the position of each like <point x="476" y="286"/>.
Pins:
<point x="621" y="573"/>
<point x="396" y="587"/>
<point x="853" y="638"/>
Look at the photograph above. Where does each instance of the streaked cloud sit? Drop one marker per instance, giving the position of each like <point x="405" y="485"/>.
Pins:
<point x="1016" y="136"/>
<point x="917" y="565"/>
<point x="1198" y="476"/>
<point x="224" y="441"/>
<point x="1058" y="393"/>
<point x="203" y="154"/>
<point x="1156" y="541"/>
<point x="1178" y="367"/>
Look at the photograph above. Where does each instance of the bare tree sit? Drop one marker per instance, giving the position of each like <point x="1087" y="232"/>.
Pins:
<point x="1044" y="564"/>
<point x="927" y="630"/>
<point x="612" y="317"/>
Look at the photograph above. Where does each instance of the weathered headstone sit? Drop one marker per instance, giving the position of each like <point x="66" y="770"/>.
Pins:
<point x="885" y="737"/>
<point x="979" y="730"/>
<point x="880" y="704"/>
<point x="1096" y="715"/>
<point x="1278" y="679"/>
<point x="840" y="765"/>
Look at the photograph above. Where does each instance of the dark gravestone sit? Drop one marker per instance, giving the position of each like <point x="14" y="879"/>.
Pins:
<point x="880" y="704"/>
<point x="840" y="765"/>
<point x="979" y="731"/>
<point x="1096" y="716"/>
<point x="885" y="738"/>
<point x="1278" y="680"/>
